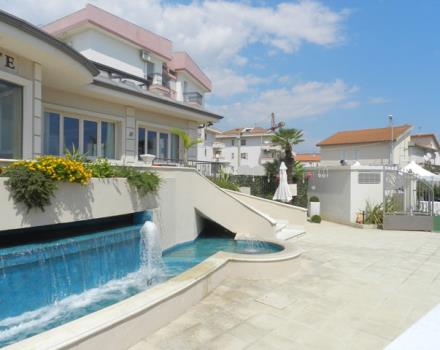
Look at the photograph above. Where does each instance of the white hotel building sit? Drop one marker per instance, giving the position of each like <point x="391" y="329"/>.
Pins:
<point x="98" y="83"/>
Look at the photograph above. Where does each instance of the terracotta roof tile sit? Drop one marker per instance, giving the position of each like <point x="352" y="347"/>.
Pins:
<point x="365" y="136"/>
<point x="308" y="157"/>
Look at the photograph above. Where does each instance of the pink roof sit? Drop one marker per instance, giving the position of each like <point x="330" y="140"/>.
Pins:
<point x="115" y="25"/>
<point x="183" y="61"/>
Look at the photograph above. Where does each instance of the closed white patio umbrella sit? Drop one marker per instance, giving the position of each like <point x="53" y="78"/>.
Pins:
<point x="283" y="191"/>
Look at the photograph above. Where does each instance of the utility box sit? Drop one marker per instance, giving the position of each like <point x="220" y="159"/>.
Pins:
<point x="436" y="224"/>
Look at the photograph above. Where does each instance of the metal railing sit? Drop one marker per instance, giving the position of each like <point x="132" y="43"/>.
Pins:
<point x="206" y="168"/>
<point x="193" y="97"/>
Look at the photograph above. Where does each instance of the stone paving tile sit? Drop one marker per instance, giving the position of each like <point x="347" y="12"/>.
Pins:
<point x="352" y="289"/>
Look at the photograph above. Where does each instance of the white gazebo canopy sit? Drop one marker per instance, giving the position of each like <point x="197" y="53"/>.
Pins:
<point x="420" y="172"/>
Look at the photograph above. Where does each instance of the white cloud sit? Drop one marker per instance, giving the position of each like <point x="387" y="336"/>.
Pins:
<point x="215" y="33"/>
<point x="378" y="100"/>
<point x="299" y="101"/>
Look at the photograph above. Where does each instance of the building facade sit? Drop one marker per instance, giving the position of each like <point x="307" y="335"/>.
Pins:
<point x="95" y="83"/>
<point x="308" y="159"/>
<point x="246" y="150"/>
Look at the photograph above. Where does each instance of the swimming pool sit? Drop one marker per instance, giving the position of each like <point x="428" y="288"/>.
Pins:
<point x="48" y="284"/>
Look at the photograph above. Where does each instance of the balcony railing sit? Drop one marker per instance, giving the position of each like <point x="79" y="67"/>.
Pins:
<point x="193" y="97"/>
<point x="151" y="83"/>
<point x="210" y="169"/>
<point x="218" y="145"/>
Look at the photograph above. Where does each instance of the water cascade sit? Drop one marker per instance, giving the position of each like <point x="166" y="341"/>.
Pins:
<point x="151" y="253"/>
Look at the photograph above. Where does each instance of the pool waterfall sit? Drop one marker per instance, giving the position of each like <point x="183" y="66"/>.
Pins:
<point x="44" y="285"/>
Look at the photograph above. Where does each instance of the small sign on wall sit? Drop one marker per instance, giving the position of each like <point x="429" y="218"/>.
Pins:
<point x="8" y="61"/>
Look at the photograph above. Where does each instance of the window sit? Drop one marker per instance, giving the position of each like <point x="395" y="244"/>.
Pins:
<point x="242" y="142"/>
<point x="52" y="133"/>
<point x="163" y="145"/>
<point x="150" y="70"/>
<point x="108" y="140"/>
<point x="244" y="156"/>
<point x="93" y="138"/>
<point x="175" y="147"/>
<point x="152" y="142"/>
<point x="11" y="120"/>
<point x="90" y="146"/>
<point x="232" y="155"/>
<point x="71" y="134"/>
<point x="369" y="178"/>
<point x="233" y="142"/>
<point x="141" y="142"/>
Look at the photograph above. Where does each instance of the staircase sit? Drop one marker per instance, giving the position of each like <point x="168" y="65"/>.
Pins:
<point x="285" y="231"/>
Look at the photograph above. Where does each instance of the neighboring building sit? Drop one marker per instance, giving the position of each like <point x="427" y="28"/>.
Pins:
<point x="367" y="146"/>
<point x="308" y="159"/>
<point x="208" y="144"/>
<point x="246" y="149"/>
<point x="424" y="148"/>
<point x="96" y="82"/>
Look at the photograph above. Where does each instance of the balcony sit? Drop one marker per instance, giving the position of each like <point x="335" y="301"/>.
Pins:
<point x="153" y="83"/>
<point x="193" y="97"/>
<point x="218" y="145"/>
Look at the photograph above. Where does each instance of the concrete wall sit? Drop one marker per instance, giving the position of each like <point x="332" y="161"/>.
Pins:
<point x="360" y="194"/>
<point x="276" y="210"/>
<point x="342" y="196"/>
<point x="184" y="197"/>
<point x="334" y="194"/>
<point x="103" y="48"/>
<point x="73" y="202"/>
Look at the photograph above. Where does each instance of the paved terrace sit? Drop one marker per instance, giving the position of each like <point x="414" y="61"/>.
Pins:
<point x="353" y="289"/>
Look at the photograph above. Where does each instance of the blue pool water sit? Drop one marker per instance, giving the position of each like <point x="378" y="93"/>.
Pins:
<point x="47" y="284"/>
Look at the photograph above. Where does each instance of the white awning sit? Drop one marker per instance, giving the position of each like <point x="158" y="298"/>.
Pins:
<point x="420" y="172"/>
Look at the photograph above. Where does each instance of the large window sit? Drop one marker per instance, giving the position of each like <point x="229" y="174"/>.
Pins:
<point x="152" y="142"/>
<point x="52" y="133"/>
<point x="11" y="120"/>
<point x="159" y="143"/>
<point x="108" y="140"/>
<point x="71" y="134"/>
<point x="163" y="145"/>
<point x="90" y="147"/>
<point x="175" y="147"/>
<point x="94" y="138"/>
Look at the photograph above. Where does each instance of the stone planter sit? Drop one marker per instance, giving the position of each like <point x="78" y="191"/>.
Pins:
<point x="314" y="208"/>
<point x="148" y="159"/>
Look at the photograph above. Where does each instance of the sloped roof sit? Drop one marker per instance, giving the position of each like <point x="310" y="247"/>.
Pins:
<point x="115" y="25"/>
<point x="37" y="33"/>
<point x="183" y="61"/>
<point x="365" y="135"/>
<point x="308" y="157"/>
<point x="245" y="131"/>
<point x="420" y="140"/>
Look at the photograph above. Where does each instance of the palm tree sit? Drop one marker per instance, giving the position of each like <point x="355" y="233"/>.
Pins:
<point x="287" y="138"/>
<point x="187" y="142"/>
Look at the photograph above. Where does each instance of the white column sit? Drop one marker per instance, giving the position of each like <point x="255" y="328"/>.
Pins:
<point x="37" y="132"/>
<point x="130" y="135"/>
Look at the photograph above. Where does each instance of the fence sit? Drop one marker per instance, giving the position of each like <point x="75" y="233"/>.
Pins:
<point x="406" y="194"/>
<point x="208" y="169"/>
<point x="265" y="187"/>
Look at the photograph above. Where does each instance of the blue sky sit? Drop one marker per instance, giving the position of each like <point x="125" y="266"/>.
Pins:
<point x="321" y="66"/>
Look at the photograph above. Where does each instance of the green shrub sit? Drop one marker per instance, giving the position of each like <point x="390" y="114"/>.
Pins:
<point x="226" y="184"/>
<point x="223" y="181"/>
<point x="313" y="199"/>
<point x="143" y="181"/>
<point x="101" y="168"/>
<point x="32" y="188"/>
<point x="374" y="214"/>
<point x="315" y="219"/>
